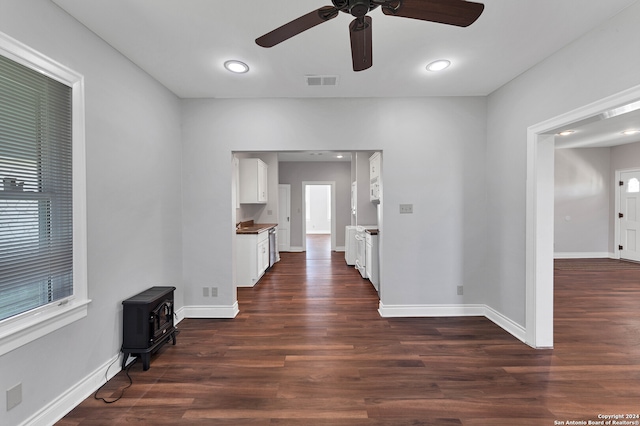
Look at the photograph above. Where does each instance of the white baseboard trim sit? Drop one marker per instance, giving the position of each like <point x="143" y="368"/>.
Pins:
<point x="179" y="315"/>
<point x="583" y="255"/>
<point x="297" y="249"/>
<point x="211" y="311"/>
<point x="389" y="311"/>
<point x="511" y="327"/>
<point x="66" y="402"/>
<point x="340" y="249"/>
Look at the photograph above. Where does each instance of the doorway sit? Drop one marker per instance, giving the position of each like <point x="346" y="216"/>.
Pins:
<point x="628" y="206"/>
<point x="318" y="212"/>
<point x="540" y="211"/>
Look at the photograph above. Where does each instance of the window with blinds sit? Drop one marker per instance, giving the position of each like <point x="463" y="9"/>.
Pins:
<point x="36" y="205"/>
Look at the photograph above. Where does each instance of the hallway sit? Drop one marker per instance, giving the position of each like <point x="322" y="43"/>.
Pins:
<point x="318" y="246"/>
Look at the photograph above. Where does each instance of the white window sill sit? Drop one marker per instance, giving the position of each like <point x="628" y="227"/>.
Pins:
<point x="19" y="333"/>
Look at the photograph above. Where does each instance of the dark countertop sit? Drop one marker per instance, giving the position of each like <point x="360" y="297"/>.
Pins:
<point x="372" y="231"/>
<point x="249" y="227"/>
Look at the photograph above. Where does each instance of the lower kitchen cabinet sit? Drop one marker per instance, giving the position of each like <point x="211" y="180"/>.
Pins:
<point x="371" y="263"/>
<point x="252" y="257"/>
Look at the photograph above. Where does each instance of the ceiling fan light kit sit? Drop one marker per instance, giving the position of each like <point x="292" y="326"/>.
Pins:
<point x="460" y="13"/>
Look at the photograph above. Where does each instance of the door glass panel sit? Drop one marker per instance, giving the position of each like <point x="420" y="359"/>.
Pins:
<point x="634" y="185"/>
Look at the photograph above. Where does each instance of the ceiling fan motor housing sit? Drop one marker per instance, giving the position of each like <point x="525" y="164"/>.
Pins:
<point x="359" y="8"/>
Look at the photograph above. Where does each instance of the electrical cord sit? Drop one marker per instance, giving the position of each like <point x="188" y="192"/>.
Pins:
<point x="106" y="375"/>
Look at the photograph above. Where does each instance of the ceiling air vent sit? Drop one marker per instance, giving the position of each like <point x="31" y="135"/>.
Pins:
<point x="321" y="80"/>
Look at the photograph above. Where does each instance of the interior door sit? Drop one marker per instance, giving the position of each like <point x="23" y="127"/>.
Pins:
<point x="284" y="217"/>
<point x="629" y="215"/>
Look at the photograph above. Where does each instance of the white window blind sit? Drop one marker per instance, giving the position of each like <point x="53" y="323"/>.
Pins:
<point x="36" y="206"/>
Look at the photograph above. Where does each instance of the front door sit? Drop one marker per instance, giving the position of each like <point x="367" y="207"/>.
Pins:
<point x="629" y="215"/>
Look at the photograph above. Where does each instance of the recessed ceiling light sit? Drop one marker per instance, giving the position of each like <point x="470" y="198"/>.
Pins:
<point x="339" y="156"/>
<point x="438" y="65"/>
<point x="630" y="132"/>
<point x="567" y="132"/>
<point x="237" y="67"/>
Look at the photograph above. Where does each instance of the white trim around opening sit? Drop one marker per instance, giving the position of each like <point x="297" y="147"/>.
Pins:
<point x="539" y="212"/>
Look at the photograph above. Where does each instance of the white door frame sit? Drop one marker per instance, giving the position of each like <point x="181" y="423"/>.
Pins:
<point x="616" y="222"/>
<point x="333" y="212"/>
<point x="539" y="213"/>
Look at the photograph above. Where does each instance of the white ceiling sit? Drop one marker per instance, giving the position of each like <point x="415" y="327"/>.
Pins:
<point x="602" y="131"/>
<point x="314" y="156"/>
<point x="184" y="43"/>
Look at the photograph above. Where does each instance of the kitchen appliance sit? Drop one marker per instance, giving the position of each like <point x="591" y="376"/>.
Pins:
<point x="452" y="12"/>
<point x="371" y="265"/>
<point x="374" y="186"/>
<point x="350" y="245"/>
<point x="273" y="246"/>
<point x="361" y="249"/>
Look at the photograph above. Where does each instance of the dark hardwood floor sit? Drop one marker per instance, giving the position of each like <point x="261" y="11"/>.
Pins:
<point x="309" y="348"/>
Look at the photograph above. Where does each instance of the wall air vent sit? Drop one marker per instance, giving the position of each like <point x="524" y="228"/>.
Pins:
<point x="321" y="80"/>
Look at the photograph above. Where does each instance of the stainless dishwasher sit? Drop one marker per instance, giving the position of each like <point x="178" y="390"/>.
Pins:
<point x="273" y="241"/>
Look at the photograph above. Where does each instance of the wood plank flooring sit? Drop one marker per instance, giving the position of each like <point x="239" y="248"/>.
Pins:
<point x="309" y="348"/>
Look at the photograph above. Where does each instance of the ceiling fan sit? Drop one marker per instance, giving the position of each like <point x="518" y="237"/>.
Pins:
<point x="452" y="12"/>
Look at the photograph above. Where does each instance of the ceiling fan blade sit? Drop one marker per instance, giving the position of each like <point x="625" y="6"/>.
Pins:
<point x="361" y="48"/>
<point x="297" y="26"/>
<point x="452" y="12"/>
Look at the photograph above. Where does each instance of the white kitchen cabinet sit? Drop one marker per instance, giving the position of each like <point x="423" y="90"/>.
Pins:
<point x="252" y="257"/>
<point x="354" y="198"/>
<point x="371" y="263"/>
<point x="374" y="166"/>
<point x="253" y="181"/>
<point x="374" y="178"/>
<point x="263" y="256"/>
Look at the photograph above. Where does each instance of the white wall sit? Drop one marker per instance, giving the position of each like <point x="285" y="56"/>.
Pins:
<point x="582" y="216"/>
<point x="366" y="211"/>
<point x="294" y="173"/>
<point x="134" y="212"/>
<point x="430" y="160"/>
<point x="571" y="78"/>
<point x="625" y="157"/>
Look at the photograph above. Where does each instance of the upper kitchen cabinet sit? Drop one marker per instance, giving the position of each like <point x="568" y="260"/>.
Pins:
<point x="253" y="181"/>
<point x="374" y="166"/>
<point x="374" y="178"/>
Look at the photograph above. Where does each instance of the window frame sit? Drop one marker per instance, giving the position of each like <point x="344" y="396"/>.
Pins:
<point x="31" y="325"/>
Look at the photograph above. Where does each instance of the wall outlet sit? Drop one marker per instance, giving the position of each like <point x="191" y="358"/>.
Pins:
<point x="460" y="290"/>
<point x="14" y="396"/>
<point x="209" y="291"/>
<point x="406" y="208"/>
